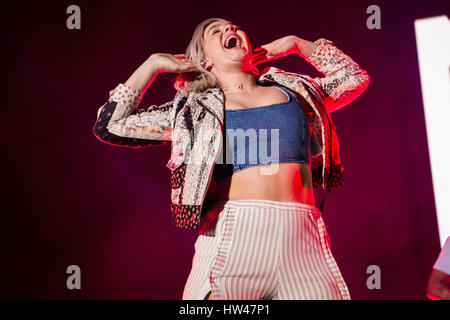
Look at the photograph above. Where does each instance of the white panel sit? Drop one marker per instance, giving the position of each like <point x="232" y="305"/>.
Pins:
<point x="433" y="47"/>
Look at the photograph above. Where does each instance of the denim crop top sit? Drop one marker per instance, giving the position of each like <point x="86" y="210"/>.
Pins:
<point x="275" y="133"/>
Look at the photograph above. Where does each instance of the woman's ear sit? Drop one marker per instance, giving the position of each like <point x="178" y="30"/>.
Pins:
<point x="206" y="63"/>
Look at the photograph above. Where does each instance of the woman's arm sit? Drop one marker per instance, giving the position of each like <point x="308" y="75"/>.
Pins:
<point x="144" y="76"/>
<point x="344" y="79"/>
<point x="119" y="122"/>
<point x="305" y="48"/>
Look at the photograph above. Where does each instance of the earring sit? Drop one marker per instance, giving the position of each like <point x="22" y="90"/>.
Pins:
<point x="203" y="64"/>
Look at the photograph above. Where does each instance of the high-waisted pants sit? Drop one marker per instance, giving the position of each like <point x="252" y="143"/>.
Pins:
<point x="263" y="249"/>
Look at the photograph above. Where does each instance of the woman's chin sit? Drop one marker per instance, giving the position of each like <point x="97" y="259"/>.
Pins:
<point x="239" y="54"/>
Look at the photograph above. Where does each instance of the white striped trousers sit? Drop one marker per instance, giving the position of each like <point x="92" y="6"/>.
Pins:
<point x="263" y="249"/>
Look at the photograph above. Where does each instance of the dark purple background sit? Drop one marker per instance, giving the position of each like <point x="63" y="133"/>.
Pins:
<point x="70" y="199"/>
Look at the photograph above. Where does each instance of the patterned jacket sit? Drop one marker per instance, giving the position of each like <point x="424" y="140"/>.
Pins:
<point x="193" y="124"/>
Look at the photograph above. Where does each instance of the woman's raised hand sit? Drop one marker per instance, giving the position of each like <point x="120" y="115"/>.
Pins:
<point x="165" y="62"/>
<point x="276" y="49"/>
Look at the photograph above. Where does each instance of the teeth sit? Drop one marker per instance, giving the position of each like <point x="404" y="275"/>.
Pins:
<point x="238" y="42"/>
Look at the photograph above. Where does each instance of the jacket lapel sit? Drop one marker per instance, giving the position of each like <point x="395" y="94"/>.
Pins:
<point x="213" y="100"/>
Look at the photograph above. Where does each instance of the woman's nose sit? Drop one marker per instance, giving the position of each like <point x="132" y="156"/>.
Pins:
<point x="231" y="27"/>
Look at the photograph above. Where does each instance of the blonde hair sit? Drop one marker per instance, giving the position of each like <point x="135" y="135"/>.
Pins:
<point x="198" y="81"/>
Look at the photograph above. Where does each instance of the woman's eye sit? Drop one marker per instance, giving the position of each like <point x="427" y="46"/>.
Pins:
<point x="215" y="31"/>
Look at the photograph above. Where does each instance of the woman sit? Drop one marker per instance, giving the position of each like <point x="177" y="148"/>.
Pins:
<point x="261" y="236"/>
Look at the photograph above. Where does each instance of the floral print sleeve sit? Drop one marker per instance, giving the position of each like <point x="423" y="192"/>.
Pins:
<point x="344" y="79"/>
<point x="120" y="123"/>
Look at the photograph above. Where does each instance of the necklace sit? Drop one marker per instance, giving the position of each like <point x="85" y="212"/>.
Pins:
<point x="240" y="86"/>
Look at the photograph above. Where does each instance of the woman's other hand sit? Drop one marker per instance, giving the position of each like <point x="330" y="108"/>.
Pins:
<point x="144" y="76"/>
<point x="282" y="47"/>
<point x="165" y="62"/>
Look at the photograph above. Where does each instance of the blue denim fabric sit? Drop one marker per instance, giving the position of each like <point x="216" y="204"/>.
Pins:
<point x="251" y="133"/>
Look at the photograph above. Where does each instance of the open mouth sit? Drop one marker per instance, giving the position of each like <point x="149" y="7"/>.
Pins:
<point x="233" y="41"/>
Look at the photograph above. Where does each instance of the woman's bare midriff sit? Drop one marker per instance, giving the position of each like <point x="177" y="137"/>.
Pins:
<point x="280" y="182"/>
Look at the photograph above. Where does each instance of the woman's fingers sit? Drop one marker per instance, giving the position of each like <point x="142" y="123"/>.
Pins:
<point x="184" y="64"/>
<point x="189" y="66"/>
<point x="259" y="55"/>
<point x="258" y="59"/>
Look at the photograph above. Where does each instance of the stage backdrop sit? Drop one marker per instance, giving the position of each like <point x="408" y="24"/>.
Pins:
<point x="70" y="199"/>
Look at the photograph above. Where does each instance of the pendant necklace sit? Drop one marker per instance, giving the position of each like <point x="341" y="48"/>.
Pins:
<point x="240" y="86"/>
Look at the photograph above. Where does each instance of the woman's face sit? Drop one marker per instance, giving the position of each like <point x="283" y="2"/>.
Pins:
<point x="236" y="52"/>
